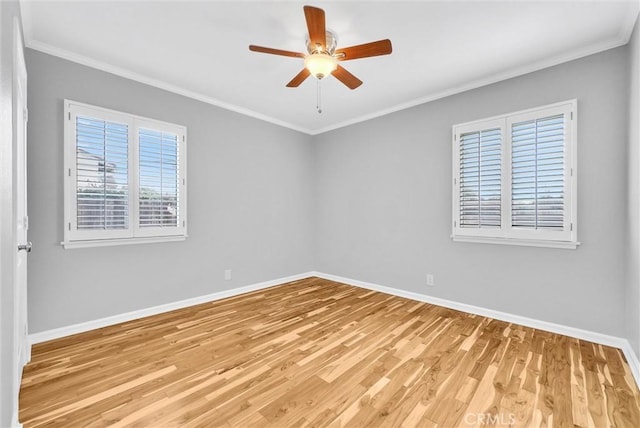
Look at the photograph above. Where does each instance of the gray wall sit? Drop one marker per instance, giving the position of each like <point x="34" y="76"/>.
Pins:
<point x="9" y="365"/>
<point x="249" y="203"/>
<point x="632" y="300"/>
<point x="371" y="202"/>
<point x="383" y="191"/>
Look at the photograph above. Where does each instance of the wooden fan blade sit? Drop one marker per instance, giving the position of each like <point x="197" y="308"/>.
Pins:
<point x="347" y="78"/>
<point x="272" y="51"/>
<point x="316" y="26"/>
<point x="296" y="81"/>
<point x="381" y="47"/>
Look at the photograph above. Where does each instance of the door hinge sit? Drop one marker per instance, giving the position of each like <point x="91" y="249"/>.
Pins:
<point x="26" y="222"/>
<point x="26" y="115"/>
<point x="69" y="172"/>
<point x="184" y="223"/>
<point x="571" y="227"/>
<point x="69" y="225"/>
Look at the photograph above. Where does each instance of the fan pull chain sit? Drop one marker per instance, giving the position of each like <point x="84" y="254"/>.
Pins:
<point x="318" y="98"/>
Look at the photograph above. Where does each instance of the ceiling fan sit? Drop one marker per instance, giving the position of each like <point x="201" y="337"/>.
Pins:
<point x="322" y="54"/>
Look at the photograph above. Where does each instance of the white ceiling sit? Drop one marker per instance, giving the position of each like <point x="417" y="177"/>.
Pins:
<point x="200" y="48"/>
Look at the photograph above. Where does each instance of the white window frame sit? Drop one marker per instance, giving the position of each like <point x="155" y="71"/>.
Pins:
<point x="134" y="234"/>
<point x="506" y="234"/>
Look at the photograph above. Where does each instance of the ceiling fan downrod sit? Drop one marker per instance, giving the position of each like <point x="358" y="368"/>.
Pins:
<point x="318" y="98"/>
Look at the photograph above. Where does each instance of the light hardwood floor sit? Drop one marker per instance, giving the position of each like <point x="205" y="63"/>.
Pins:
<point x="319" y="353"/>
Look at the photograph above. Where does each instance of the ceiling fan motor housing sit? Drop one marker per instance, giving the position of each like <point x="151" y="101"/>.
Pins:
<point x="331" y="43"/>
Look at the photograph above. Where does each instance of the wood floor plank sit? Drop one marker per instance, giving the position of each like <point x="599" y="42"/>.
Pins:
<point x="317" y="353"/>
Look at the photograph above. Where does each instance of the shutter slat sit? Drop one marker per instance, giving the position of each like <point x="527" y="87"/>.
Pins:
<point x="158" y="179"/>
<point x="480" y="179"/>
<point x="101" y="174"/>
<point x="537" y="173"/>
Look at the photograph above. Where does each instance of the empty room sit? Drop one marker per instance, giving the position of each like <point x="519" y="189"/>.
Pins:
<point x="319" y="214"/>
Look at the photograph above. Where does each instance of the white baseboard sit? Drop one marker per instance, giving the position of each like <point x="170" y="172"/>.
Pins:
<point x="58" y="333"/>
<point x="23" y="356"/>
<point x="603" y="339"/>
<point x="14" y="421"/>
<point x="632" y="359"/>
<point x="24" y="353"/>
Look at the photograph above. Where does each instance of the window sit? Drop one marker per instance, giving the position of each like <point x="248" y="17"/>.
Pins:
<point x="125" y="178"/>
<point x="514" y="178"/>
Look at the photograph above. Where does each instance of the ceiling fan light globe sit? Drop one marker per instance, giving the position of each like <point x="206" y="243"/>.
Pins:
<point x="320" y="65"/>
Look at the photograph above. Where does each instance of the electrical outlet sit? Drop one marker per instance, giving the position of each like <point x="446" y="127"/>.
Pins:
<point x="430" y="282"/>
<point x="227" y="275"/>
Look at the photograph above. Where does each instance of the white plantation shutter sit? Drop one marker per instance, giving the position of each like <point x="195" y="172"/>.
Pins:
<point x="158" y="176"/>
<point x="537" y="173"/>
<point x="101" y="174"/>
<point x="125" y="178"/>
<point x="480" y="178"/>
<point x="515" y="178"/>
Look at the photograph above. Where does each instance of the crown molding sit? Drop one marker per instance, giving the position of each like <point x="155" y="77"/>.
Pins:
<point x="621" y="39"/>
<point x="137" y="77"/>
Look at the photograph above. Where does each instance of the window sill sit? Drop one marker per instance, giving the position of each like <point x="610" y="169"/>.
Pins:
<point x="120" y="241"/>
<point x="521" y="242"/>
